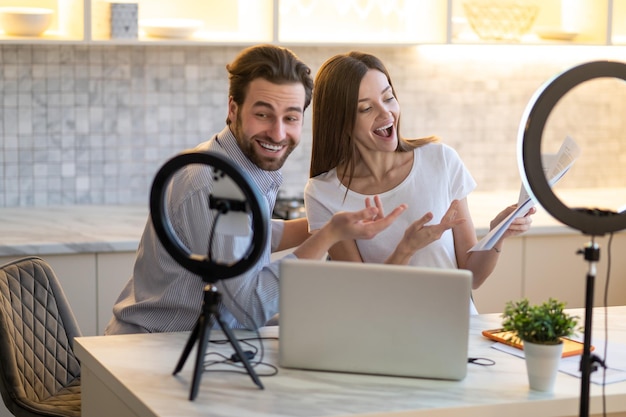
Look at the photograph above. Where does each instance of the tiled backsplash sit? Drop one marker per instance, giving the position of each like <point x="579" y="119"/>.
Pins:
<point x="92" y="124"/>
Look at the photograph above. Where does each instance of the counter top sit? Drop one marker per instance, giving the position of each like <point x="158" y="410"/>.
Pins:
<point x="88" y="229"/>
<point x="70" y="229"/>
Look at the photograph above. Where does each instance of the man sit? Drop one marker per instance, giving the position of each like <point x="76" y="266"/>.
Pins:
<point x="270" y="88"/>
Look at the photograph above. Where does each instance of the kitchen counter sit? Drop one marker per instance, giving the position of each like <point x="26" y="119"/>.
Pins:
<point x="90" y="229"/>
<point x="70" y="229"/>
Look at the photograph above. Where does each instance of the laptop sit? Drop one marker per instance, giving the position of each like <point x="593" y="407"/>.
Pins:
<point x="374" y="318"/>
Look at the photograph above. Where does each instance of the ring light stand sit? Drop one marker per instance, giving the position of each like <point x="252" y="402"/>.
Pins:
<point x="593" y="222"/>
<point x="211" y="271"/>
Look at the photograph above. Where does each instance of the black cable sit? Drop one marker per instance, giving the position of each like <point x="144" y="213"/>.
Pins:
<point x="241" y="309"/>
<point x="249" y="318"/>
<point x="481" y="361"/>
<point x="235" y="362"/>
<point x="212" y="235"/>
<point x="606" y="322"/>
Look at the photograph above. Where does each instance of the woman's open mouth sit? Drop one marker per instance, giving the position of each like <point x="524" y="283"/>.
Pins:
<point x="384" y="131"/>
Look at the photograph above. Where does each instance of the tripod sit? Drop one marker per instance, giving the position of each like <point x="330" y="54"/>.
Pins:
<point x="201" y="332"/>
<point x="588" y="361"/>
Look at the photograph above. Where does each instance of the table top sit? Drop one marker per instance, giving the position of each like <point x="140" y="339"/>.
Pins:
<point x="138" y="368"/>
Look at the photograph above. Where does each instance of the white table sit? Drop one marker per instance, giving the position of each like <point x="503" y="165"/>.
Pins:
<point x="131" y="375"/>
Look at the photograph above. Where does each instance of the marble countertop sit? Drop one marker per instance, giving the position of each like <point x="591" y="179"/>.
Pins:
<point x="70" y="229"/>
<point x="90" y="229"/>
<point x="132" y="375"/>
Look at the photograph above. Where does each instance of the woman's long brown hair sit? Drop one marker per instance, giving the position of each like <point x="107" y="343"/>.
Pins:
<point x="335" y="101"/>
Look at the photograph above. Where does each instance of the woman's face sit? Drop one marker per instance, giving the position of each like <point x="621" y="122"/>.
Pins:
<point x="376" y="126"/>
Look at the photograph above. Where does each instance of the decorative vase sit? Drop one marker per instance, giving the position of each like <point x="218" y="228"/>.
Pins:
<point x="542" y="365"/>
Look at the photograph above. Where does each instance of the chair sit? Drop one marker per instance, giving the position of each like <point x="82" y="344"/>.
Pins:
<point x="39" y="374"/>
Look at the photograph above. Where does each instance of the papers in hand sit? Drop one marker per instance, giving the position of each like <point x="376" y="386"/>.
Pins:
<point x="555" y="166"/>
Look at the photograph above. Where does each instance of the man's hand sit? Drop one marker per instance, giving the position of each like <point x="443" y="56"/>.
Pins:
<point x="363" y="224"/>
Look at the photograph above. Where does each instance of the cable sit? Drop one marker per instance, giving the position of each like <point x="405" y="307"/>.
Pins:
<point x="481" y="361"/>
<point x="235" y="362"/>
<point x="212" y="235"/>
<point x="258" y="337"/>
<point x="606" y="322"/>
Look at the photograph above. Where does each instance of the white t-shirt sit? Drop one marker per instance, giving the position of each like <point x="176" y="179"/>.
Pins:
<point x="437" y="177"/>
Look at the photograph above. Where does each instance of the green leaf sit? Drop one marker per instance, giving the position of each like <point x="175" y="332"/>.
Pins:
<point x="545" y="323"/>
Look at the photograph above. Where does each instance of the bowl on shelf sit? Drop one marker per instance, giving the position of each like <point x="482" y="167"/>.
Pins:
<point x="25" y="21"/>
<point x="170" y="28"/>
<point x="500" y="20"/>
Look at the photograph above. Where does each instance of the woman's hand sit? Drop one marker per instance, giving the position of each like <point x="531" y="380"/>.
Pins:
<point x="419" y="235"/>
<point x="347" y="225"/>
<point x="517" y="226"/>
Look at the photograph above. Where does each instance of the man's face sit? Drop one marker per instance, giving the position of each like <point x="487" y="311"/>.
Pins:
<point x="269" y="122"/>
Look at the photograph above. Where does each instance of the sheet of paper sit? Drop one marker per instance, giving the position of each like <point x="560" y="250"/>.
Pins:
<point x="555" y="167"/>
<point x="615" y="361"/>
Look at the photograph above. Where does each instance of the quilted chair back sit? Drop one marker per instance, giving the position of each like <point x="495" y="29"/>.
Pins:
<point x="39" y="374"/>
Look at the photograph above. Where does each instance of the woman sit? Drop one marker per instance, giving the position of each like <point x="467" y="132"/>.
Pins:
<point x="358" y="153"/>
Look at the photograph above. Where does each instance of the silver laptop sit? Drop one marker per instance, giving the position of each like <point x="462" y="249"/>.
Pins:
<point x="374" y="318"/>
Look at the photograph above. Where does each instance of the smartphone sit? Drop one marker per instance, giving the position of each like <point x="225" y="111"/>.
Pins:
<point x="570" y="347"/>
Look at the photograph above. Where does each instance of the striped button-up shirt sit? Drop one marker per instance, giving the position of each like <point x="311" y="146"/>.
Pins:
<point x="162" y="296"/>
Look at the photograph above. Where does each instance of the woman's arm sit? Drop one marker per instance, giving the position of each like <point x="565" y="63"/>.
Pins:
<point x="482" y="263"/>
<point x="345" y="251"/>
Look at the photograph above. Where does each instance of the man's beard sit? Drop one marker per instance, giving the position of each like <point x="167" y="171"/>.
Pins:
<point x="247" y="146"/>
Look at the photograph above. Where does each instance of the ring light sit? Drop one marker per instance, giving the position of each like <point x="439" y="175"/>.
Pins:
<point x="201" y="264"/>
<point x="222" y="201"/>
<point x="594" y="222"/>
<point x="589" y="221"/>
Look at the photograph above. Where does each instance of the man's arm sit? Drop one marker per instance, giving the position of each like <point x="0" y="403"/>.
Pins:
<point x="295" y="232"/>
<point x="363" y="224"/>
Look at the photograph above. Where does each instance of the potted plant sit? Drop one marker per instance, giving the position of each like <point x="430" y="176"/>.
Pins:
<point x="540" y="328"/>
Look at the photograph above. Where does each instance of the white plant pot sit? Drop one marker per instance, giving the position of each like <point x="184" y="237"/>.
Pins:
<point x="542" y="365"/>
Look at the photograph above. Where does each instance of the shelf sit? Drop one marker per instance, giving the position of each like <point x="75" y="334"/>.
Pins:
<point x="327" y="22"/>
<point x="222" y="22"/>
<point x="361" y="22"/>
<point x="618" y="22"/>
<point x="557" y="21"/>
<point x="67" y="20"/>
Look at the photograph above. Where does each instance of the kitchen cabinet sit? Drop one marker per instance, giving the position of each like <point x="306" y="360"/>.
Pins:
<point x="77" y="274"/>
<point x="505" y="282"/>
<point x="113" y="270"/>
<point x="91" y="282"/>
<point x="315" y="22"/>
<point x="552" y="267"/>
<point x="538" y="266"/>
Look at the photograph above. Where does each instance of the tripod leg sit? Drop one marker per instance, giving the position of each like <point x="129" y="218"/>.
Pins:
<point x="203" y="341"/>
<point x="201" y="333"/>
<point x="190" y="342"/>
<point x="235" y="344"/>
